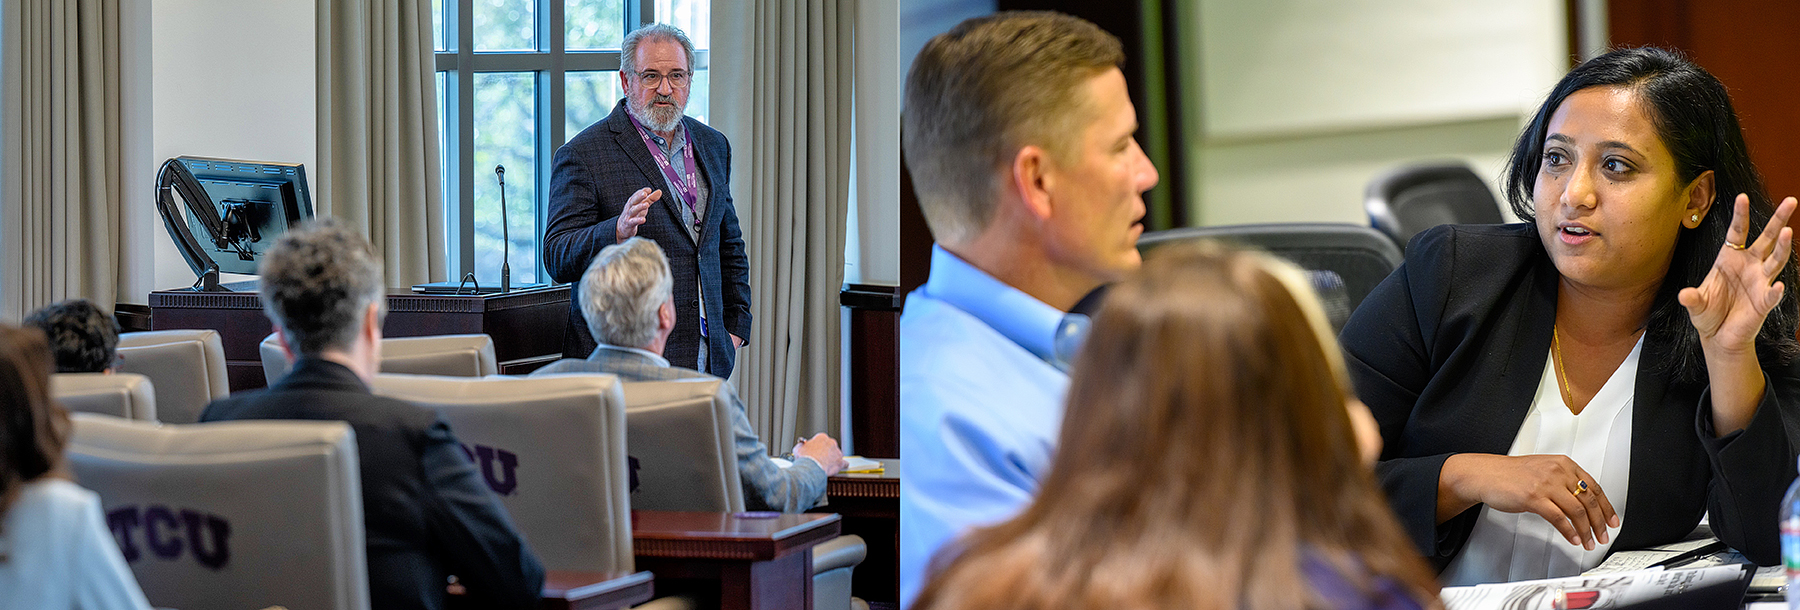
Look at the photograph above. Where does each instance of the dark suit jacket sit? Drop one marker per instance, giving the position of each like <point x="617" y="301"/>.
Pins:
<point x="426" y="512"/>
<point x="594" y="174"/>
<point x="1448" y="353"/>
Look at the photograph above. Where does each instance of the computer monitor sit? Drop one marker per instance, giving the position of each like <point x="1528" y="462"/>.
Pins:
<point x="234" y="211"/>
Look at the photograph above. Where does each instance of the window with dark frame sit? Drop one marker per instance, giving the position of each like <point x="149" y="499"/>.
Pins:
<point x="515" y="80"/>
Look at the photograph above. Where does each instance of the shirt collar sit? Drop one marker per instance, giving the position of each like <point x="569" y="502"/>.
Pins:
<point x="642" y="353"/>
<point x="1017" y="316"/>
<point x="680" y="139"/>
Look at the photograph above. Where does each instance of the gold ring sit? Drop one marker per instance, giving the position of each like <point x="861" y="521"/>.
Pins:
<point x="1580" y="487"/>
<point x="1734" y="246"/>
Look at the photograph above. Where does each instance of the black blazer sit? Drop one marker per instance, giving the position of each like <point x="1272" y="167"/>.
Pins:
<point x="1448" y="353"/>
<point x="592" y="177"/>
<point x="426" y="512"/>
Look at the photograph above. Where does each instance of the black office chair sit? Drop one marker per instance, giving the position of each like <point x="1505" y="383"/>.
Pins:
<point x="1344" y="261"/>
<point x="1412" y="198"/>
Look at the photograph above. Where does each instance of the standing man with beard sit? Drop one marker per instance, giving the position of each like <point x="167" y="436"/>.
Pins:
<point x="647" y="170"/>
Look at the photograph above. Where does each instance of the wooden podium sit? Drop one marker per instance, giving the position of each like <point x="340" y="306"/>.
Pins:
<point x="527" y="325"/>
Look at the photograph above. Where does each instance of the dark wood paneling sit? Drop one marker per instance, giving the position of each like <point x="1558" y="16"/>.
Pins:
<point x="874" y="370"/>
<point x="915" y="236"/>
<point x="1750" y="46"/>
<point x="527" y="326"/>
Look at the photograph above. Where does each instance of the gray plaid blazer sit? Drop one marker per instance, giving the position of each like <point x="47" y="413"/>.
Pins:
<point x="766" y="486"/>
<point x="592" y="177"/>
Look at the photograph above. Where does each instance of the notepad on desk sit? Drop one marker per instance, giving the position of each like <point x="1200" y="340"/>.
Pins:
<point x="858" y="465"/>
<point x="862" y="465"/>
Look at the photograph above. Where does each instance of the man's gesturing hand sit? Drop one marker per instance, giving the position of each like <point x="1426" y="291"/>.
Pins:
<point x="637" y="208"/>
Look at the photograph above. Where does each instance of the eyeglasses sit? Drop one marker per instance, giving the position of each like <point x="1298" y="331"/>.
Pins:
<point x="650" y="79"/>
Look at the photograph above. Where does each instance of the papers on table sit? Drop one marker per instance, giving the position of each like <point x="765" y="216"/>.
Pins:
<point x="1609" y="590"/>
<point x="1627" y="561"/>
<point x="858" y="464"/>
<point x="862" y="465"/>
<point x="1769" y="580"/>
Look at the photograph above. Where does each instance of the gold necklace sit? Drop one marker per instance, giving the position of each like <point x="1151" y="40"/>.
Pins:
<point x="1562" y="377"/>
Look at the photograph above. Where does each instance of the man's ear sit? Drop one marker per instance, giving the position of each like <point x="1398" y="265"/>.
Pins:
<point x="1700" y="198"/>
<point x="372" y="327"/>
<point x="1032" y="180"/>
<point x="287" y="351"/>
<point x="665" y="316"/>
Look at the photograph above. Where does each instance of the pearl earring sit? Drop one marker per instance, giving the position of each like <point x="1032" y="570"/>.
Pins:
<point x="1695" y="217"/>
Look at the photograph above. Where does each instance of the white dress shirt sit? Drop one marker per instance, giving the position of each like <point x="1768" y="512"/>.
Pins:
<point x="1507" y="547"/>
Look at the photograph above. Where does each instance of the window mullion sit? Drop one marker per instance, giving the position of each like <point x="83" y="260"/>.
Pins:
<point x="464" y="82"/>
<point x="550" y="114"/>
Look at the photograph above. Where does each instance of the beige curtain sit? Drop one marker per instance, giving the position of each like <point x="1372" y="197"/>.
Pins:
<point x="61" y="175"/>
<point x="378" y="141"/>
<point x="783" y="75"/>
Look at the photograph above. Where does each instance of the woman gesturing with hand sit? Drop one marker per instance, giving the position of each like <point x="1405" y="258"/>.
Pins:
<point x="1729" y="307"/>
<point x="1596" y="378"/>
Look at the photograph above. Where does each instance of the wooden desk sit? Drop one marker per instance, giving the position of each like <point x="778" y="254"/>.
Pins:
<point x="595" y="590"/>
<point x="527" y="325"/>
<point x="870" y="506"/>
<point x="741" y="563"/>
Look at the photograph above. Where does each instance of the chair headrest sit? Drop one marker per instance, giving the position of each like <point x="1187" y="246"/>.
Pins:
<point x="127" y="395"/>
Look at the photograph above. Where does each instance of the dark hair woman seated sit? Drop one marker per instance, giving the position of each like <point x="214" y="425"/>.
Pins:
<point x="1596" y="378"/>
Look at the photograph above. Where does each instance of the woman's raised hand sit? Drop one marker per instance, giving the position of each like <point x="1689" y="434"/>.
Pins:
<point x="1729" y="306"/>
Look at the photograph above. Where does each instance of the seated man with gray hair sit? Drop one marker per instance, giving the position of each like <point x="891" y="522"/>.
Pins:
<point x="427" y="514"/>
<point x="627" y="300"/>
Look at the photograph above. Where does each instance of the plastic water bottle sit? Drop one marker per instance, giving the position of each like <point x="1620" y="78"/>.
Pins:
<point x="1790" y="543"/>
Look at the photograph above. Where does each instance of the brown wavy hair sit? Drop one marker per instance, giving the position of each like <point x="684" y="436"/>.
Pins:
<point x="1205" y="452"/>
<point x="33" y="428"/>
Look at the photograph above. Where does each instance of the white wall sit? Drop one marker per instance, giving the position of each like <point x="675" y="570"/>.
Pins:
<point x="1301" y="102"/>
<point x="228" y="79"/>
<point x="143" y="226"/>
<point x="873" y="241"/>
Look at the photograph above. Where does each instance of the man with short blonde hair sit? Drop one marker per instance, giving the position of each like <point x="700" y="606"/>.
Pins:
<point x="1018" y="132"/>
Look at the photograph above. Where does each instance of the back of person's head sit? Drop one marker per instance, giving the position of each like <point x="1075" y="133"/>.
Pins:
<point x="83" y="338"/>
<point x="1694" y="119"/>
<point x="622" y="290"/>
<point x="985" y="89"/>
<point x="33" y="428"/>
<point x="317" y="282"/>
<point x="1205" y="454"/>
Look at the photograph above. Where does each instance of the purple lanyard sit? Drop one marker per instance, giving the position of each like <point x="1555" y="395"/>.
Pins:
<point x="687" y="189"/>
<point x="683" y="183"/>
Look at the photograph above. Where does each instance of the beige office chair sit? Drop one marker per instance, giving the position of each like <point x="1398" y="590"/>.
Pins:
<point x="680" y="434"/>
<point x="552" y="449"/>
<point x="126" y="395"/>
<point x="451" y="355"/>
<point x="187" y="367"/>
<point x="231" y="515"/>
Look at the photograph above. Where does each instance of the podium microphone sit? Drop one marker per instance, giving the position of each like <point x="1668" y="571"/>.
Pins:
<point x="505" y="241"/>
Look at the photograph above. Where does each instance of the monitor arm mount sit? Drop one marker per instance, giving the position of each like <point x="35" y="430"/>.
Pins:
<point x="229" y="231"/>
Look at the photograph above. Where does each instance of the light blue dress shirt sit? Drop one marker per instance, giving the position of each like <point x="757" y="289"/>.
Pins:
<point x="981" y="401"/>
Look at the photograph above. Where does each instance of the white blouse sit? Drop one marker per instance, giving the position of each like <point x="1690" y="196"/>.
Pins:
<point x="1522" y="546"/>
<point x="60" y="554"/>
